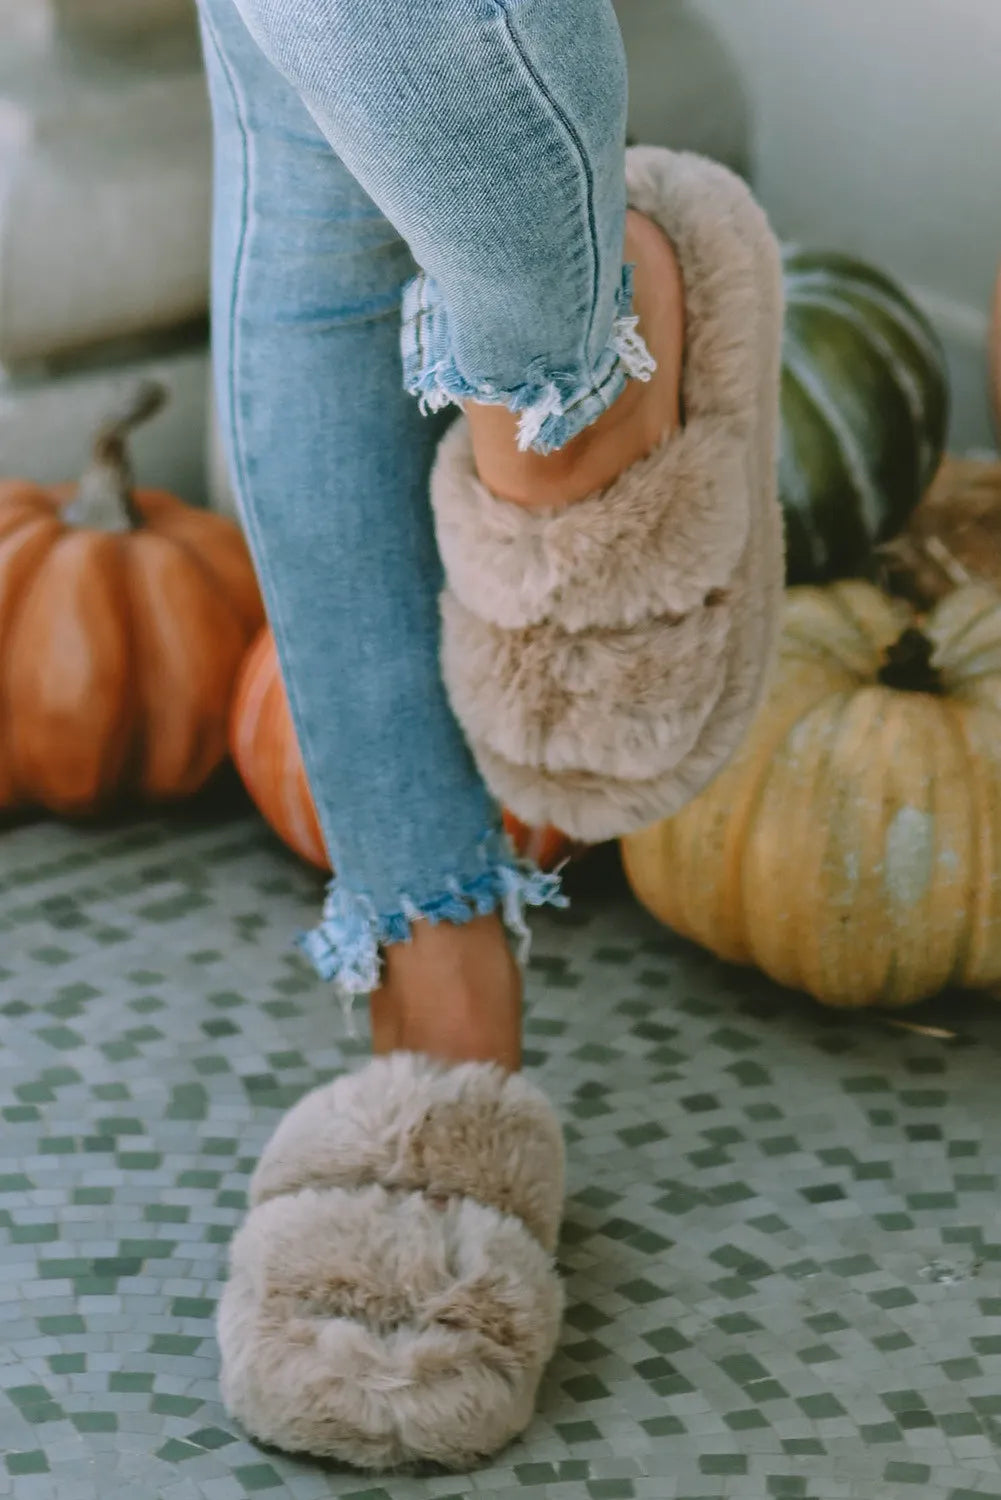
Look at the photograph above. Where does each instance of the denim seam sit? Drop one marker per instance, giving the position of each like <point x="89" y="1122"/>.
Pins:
<point x="578" y="145"/>
<point x="239" y="449"/>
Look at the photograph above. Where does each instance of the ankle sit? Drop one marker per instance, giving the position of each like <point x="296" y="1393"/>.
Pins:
<point x="630" y="429"/>
<point x="452" y="993"/>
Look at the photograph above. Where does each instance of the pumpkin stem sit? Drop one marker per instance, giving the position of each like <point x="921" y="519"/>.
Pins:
<point x="908" y="664"/>
<point x="105" y="498"/>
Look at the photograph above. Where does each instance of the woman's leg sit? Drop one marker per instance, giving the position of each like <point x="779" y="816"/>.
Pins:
<point x="393" y="1295"/>
<point x="331" y="461"/>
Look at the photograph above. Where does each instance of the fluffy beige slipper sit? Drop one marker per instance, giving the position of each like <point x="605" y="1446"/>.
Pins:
<point x="605" y="659"/>
<point x="392" y="1295"/>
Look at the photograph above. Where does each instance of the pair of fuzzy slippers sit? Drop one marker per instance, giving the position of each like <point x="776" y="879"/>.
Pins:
<point x="393" y="1296"/>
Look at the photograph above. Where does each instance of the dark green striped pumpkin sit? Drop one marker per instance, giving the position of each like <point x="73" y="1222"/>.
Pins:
<point x="864" y="412"/>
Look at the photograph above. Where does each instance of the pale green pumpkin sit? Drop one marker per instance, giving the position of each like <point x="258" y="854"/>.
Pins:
<point x="864" y="412"/>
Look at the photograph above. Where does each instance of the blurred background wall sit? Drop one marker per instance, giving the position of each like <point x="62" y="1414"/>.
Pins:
<point x="104" y="210"/>
<point x="870" y="127"/>
<point x="877" y="129"/>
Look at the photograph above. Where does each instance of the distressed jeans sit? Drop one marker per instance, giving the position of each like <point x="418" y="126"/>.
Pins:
<point x="417" y="202"/>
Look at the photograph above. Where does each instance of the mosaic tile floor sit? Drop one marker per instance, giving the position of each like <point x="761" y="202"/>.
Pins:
<point x="783" y="1242"/>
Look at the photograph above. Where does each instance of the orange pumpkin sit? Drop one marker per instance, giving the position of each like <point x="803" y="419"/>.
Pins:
<point x="124" y="617"/>
<point x="263" y="744"/>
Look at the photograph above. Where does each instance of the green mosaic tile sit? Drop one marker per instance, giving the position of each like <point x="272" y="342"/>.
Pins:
<point x="961" y="1424"/>
<point x="164" y="1405"/>
<point x="745" y="1421"/>
<point x="907" y="1473"/>
<point x="33" y="1462"/>
<point x="256" y="1477"/>
<point x="62" y="1324"/>
<point x="94" y="1421"/>
<point x="579" y="1432"/>
<point x="534" y="1474"/>
<point x="723" y="1463"/>
<point x="781" y="1250"/>
<point x="584" y="1388"/>
<point x="176" y="1451"/>
<point x="126" y="1380"/>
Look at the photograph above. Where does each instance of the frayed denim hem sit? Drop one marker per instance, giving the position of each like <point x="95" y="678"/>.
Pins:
<point x="346" y="947"/>
<point x="554" y="406"/>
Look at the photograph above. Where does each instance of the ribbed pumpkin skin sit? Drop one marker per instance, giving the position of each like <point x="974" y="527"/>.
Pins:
<point x="864" y="412"/>
<point x="853" y="849"/>
<point x="265" y="750"/>
<point x="118" y="652"/>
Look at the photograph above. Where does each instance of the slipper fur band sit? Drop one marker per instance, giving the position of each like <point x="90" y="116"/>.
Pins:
<point x="605" y="659"/>
<point x="392" y="1295"/>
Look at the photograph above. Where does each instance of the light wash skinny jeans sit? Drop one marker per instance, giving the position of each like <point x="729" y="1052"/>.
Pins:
<point x="453" y="169"/>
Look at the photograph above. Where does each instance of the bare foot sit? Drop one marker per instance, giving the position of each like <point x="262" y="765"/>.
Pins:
<point x="453" y="993"/>
<point x="631" y="428"/>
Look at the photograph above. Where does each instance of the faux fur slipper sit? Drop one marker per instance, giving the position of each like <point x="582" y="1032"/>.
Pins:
<point x="392" y="1295"/>
<point x="605" y="659"/>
